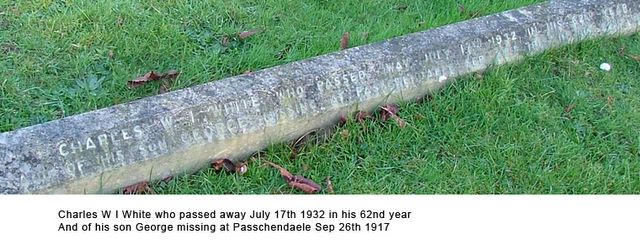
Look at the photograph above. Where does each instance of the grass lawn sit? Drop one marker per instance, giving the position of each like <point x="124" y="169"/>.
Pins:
<point x="554" y="123"/>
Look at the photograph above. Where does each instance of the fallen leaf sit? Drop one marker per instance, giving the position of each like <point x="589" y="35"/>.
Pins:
<point x="297" y="181"/>
<point x="230" y="167"/>
<point x="329" y="185"/>
<point x="391" y="111"/>
<point x="247" y="72"/>
<point x="138" y="188"/>
<point x="223" y="163"/>
<point x="172" y="74"/>
<point x="635" y="57"/>
<point x="168" y="83"/>
<point x="149" y="76"/>
<point x="246" y="34"/>
<point x="342" y="120"/>
<point x="362" y="116"/>
<point x="283" y="171"/>
<point x="242" y="168"/>
<point x="110" y="54"/>
<point x="344" y="42"/>
<point x="152" y="76"/>
<point x="388" y="111"/>
<point x="305" y="184"/>
<point x="304" y="187"/>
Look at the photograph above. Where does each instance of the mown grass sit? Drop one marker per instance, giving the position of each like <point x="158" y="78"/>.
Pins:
<point x="63" y="57"/>
<point x="554" y="123"/>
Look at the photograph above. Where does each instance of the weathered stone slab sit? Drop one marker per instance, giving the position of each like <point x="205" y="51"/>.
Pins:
<point x="181" y="131"/>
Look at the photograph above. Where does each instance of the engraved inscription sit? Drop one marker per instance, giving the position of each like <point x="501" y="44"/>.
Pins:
<point x="290" y="98"/>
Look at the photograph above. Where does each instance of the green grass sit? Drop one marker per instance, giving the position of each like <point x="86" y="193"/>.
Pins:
<point x="509" y="130"/>
<point x="55" y="55"/>
<point x="553" y="123"/>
